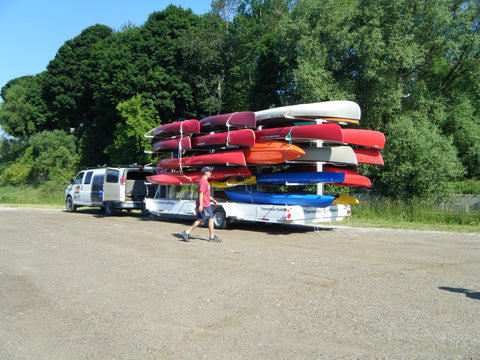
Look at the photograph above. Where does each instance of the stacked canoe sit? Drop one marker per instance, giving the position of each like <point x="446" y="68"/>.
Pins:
<point x="246" y="149"/>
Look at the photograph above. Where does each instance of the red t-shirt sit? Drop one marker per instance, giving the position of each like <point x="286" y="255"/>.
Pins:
<point x="204" y="187"/>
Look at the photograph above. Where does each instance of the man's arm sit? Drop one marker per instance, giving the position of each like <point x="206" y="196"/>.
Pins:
<point x="200" y="201"/>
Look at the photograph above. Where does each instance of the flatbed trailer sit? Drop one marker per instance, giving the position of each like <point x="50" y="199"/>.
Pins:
<point x="227" y="212"/>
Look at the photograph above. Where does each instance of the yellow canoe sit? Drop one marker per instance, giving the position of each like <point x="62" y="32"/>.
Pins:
<point x="233" y="182"/>
<point x="344" y="199"/>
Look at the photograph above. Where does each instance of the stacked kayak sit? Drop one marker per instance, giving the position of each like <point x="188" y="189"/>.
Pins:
<point x="305" y="144"/>
<point x="251" y="196"/>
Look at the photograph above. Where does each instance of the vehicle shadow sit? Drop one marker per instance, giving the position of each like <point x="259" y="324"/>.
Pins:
<point x="276" y="229"/>
<point x="100" y="213"/>
<point x="86" y="211"/>
<point x="268" y="228"/>
<point x="475" y="295"/>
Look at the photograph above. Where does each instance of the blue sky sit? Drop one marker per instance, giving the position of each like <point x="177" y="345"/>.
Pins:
<point x="31" y="31"/>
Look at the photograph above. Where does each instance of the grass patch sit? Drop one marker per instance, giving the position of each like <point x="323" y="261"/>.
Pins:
<point x="46" y="194"/>
<point x="383" y="213"/>
<point x="414" y="214"/>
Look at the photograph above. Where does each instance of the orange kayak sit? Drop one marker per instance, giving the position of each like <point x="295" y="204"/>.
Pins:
<point x="272" y="152"/>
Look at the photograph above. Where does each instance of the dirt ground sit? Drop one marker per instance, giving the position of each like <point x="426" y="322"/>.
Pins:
<point x="85" y="286"/>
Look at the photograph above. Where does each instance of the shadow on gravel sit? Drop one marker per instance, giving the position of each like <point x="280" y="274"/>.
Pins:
<point x="276" y="229"/>
<point x="272" y="229"/>
<point x="192" y="238"/>
<point x="100" y="213"/>
<point x="468" y="293"/>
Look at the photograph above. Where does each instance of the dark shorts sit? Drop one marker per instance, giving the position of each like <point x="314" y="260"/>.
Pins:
<point x="207" y="213"/>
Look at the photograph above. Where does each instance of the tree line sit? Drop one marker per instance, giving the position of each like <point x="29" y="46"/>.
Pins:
<point x="412" y="66"/>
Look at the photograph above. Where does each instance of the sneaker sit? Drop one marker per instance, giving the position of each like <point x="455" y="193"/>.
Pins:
<point x="185" y="236"/>
<point x="215" y="239"/>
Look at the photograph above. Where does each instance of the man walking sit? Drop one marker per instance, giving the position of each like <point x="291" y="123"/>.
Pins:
<point x="203" y="209"/>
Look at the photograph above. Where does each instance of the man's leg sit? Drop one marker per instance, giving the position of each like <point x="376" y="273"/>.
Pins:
<point x="211" y="225"/>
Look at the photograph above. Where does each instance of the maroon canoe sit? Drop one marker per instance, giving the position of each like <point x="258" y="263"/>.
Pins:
<point x="229" y="158"/>
<point x="242" y="119"/>
<point x="179" y="127"/>
<point x="367" y="138"/>
<point x="189" y="177"/>
<point x="326" y="132"/>
<point x="173" y="144"/>
<point x="244" y="137"/>
<point x="368" y="156"/>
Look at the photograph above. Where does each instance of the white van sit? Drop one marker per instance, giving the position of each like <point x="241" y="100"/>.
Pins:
<point x="110" y="188"/>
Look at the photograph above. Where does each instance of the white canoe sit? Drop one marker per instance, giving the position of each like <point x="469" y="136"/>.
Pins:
<point x="339" y="111"/>
<point x="342" y="155"/>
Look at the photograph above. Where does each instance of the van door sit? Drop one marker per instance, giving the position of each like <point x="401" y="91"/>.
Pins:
<point x="86" y="188"/>
<point x="111" y="185"/>
<point x="97" y="188"/>
<point x="76" y="186"/>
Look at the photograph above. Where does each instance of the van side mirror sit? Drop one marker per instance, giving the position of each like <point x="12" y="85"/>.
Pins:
<point x="72" y="181"/>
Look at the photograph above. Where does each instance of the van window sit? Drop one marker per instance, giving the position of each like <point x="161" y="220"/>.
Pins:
<point x="88" y="177"/>
<point x="139" y="175"/>
<point x="112" y="176"/>
<point x="79" y="178"/>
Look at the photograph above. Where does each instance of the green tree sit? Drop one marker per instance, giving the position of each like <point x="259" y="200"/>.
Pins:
<point x="146" y="61"/>
<point x="252" y="69"/>
<point x="315" y="45"/>
<point x="15" y="167"/>
<point x="462" y="123"/>
<point x="419" y="160"/>
<point x="203" y="51"/>
<point x="70" y="78"/>
<point x="129" y="144"/>
<point x="48" y="155"/>
<point x="23" y="112"/>
<point x="55" y="154"/>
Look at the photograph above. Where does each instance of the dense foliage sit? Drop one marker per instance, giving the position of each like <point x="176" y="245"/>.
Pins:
<point x="413" y="66"/>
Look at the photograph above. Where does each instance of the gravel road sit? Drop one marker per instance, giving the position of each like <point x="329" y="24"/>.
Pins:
<point x="84" y="286"/>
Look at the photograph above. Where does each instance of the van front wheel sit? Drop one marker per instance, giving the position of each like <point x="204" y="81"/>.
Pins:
<point x="69" y="205"/>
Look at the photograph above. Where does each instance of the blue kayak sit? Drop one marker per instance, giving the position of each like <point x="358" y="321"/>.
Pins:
<point x="300" y="177"/>
<point x="259" y="197"/>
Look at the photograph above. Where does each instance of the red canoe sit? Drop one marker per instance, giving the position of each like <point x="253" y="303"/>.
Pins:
<point x="244" y="137"/>
<point x="368" y="138"/>
<point x="272" y="152"/>
<point x="352" y="179"/>
<point x="189" y="177"/>
<point x="346" y="170"/>
<point x="172" y="179"/>
<point x="369" y="156"/>
<point x="229" y="158"/>
<point x="242" y="119"/>
<point x="355" y="181"/>
<point x="172" y="144"/>
<point x="327" y="132"/>
<point x="179" y="127"/>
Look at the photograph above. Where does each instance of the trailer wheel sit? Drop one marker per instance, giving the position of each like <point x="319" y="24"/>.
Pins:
<point x="109" y="209"/>
<point x="220" y="218"/>
<point x="69" y="204"/>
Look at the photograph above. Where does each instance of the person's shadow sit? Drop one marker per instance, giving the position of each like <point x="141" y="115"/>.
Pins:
<point x="468" y="293"/>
